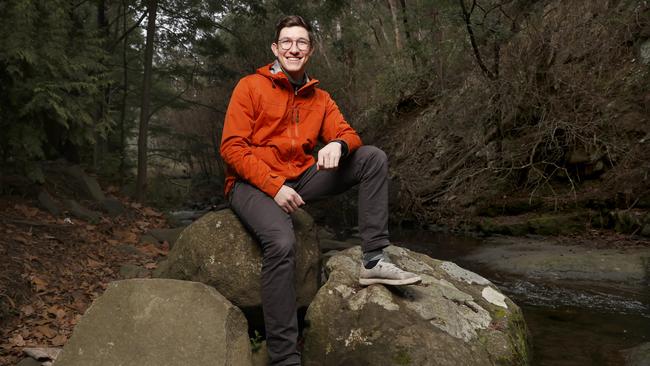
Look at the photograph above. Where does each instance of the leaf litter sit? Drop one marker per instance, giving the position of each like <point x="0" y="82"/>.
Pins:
<point x="51" y="269"/>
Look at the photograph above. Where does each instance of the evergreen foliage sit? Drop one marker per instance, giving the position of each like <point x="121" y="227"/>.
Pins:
<point x="51" y="74"/>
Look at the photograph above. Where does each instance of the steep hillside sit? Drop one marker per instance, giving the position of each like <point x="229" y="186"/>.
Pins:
<point x="558" y="120"/>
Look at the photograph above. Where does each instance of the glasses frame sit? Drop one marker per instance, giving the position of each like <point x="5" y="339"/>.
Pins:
<point x="291" y="42"/>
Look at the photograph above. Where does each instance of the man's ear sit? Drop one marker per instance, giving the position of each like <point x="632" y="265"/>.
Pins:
<point x="274" y="48"/>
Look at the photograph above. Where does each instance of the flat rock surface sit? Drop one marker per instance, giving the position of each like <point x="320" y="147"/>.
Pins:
<point x="153" y="322"/>
<point x="545" y="259"/>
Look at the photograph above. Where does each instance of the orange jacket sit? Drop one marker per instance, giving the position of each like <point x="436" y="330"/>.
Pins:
<point x="270" y="131"/>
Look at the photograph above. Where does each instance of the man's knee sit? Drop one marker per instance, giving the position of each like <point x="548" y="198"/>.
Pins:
<point x="282" y="245"/>
<point x="373" y="153"/>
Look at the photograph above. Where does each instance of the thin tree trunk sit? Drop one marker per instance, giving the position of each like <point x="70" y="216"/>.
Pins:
<point x="393" y="13"/>
<point x="125" y="93"/>
<point x="383" y="31"/>
<point x="407" y="33"/>
<point x="141" y="182"/>
<point x="99" y="147"/>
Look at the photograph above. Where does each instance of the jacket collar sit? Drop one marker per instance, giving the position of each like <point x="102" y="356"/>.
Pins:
<point x="274" y="72"/>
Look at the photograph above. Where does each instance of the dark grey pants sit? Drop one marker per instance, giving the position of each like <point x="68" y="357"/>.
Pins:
<point x="368" y="167"/>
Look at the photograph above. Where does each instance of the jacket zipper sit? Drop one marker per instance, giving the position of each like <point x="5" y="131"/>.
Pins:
<point x="291" y="133"/>
<point x="295" y="116"/>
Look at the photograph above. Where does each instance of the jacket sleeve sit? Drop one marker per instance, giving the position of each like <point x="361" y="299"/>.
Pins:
<point x="236" y="149"/>
<point x="335" y="127"/>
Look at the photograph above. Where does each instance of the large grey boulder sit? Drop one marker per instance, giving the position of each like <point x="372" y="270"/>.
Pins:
<point x="82" y="212"/>
<point x="454" y="317"/>
<point x="87" y="183"/>
<point x="153" y="322"/>
<point x="218" y="251"/>
<point x="48" y="202"/>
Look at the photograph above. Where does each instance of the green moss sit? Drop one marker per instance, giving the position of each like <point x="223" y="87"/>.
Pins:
<point x="558" y="224"/>
<point x="515" y="334"/>
<point x="402" y="358"/>
<point x="500" y="313"/>
<point x="519" y="336"/>
<point x="492" y="226"/>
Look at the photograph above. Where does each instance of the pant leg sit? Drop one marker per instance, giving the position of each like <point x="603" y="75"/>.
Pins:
<point x="368" y="167"/>
<point x="274" y="230"/>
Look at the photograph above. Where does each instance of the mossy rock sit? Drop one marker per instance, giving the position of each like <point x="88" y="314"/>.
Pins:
<point x="451" y="318"/>
<point x="552" y="224"/>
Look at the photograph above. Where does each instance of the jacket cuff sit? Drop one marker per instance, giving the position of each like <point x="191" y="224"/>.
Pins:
<point x="273" y="184"/>
<point x="344" y="147"/>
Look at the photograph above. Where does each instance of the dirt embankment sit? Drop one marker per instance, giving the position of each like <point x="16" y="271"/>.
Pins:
<point x="559" y="137"/>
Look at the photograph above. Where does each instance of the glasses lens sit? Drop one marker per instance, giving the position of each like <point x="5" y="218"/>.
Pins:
<point x="286" y="44"/>
<point x="303" y="45"/>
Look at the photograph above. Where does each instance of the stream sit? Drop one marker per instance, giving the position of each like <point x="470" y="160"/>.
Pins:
<point x="569" y="325"/>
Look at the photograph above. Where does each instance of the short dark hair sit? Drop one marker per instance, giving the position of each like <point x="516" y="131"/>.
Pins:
<point x="292" y="21"/>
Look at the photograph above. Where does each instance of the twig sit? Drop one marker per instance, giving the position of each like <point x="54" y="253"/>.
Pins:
<point x="31" y="223"/>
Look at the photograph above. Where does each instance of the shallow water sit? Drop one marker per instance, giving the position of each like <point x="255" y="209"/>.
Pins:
<point x="569" y="325"/>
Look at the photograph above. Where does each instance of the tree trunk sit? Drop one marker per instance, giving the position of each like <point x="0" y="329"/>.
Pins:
<point x="407" y="33"/>
<point x="125" y="93"/>
<point x="393" y="13"/>
<point x="100" y="141"/>
<point x="141" y="182"/>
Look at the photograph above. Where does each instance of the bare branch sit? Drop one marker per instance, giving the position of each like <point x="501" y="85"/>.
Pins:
<point x="472" y="38"/>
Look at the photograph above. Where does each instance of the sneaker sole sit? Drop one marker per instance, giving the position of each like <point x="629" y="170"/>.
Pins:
<point x="384" y="281"/>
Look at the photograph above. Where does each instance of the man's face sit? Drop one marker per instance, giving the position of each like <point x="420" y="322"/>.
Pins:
<point x="292" y="50"/>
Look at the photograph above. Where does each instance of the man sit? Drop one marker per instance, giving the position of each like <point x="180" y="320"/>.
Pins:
<point x="274" y="119"/>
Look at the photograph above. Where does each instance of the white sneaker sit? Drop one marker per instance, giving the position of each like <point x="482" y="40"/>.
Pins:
<point x="388" y="274"/>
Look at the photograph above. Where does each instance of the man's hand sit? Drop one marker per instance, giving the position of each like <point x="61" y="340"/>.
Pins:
<point x="288" y="199"/>
<point x="329" y="156"/>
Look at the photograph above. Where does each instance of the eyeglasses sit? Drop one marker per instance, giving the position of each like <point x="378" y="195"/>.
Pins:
<point x="286" y="44"/>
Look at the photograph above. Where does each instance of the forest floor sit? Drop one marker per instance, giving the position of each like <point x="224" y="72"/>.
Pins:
<point x="51" y="269"/>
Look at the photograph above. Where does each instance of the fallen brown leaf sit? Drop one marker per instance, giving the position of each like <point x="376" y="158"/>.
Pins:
<point x="41" y="285"/>
<point x="46" y="331"/>
<point x="59" y="340"/>
<point x="17" y="341"/>
<point x="94" y="264"/>
<point x="21" y="239"/>
<point x="27" y="211"/>
<point x="151" y="212"/>
<point x="56" y="311"/>
<point x="27" y="310"/>
<point x="152" y="250"/>
<point x="127" y="236"/>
